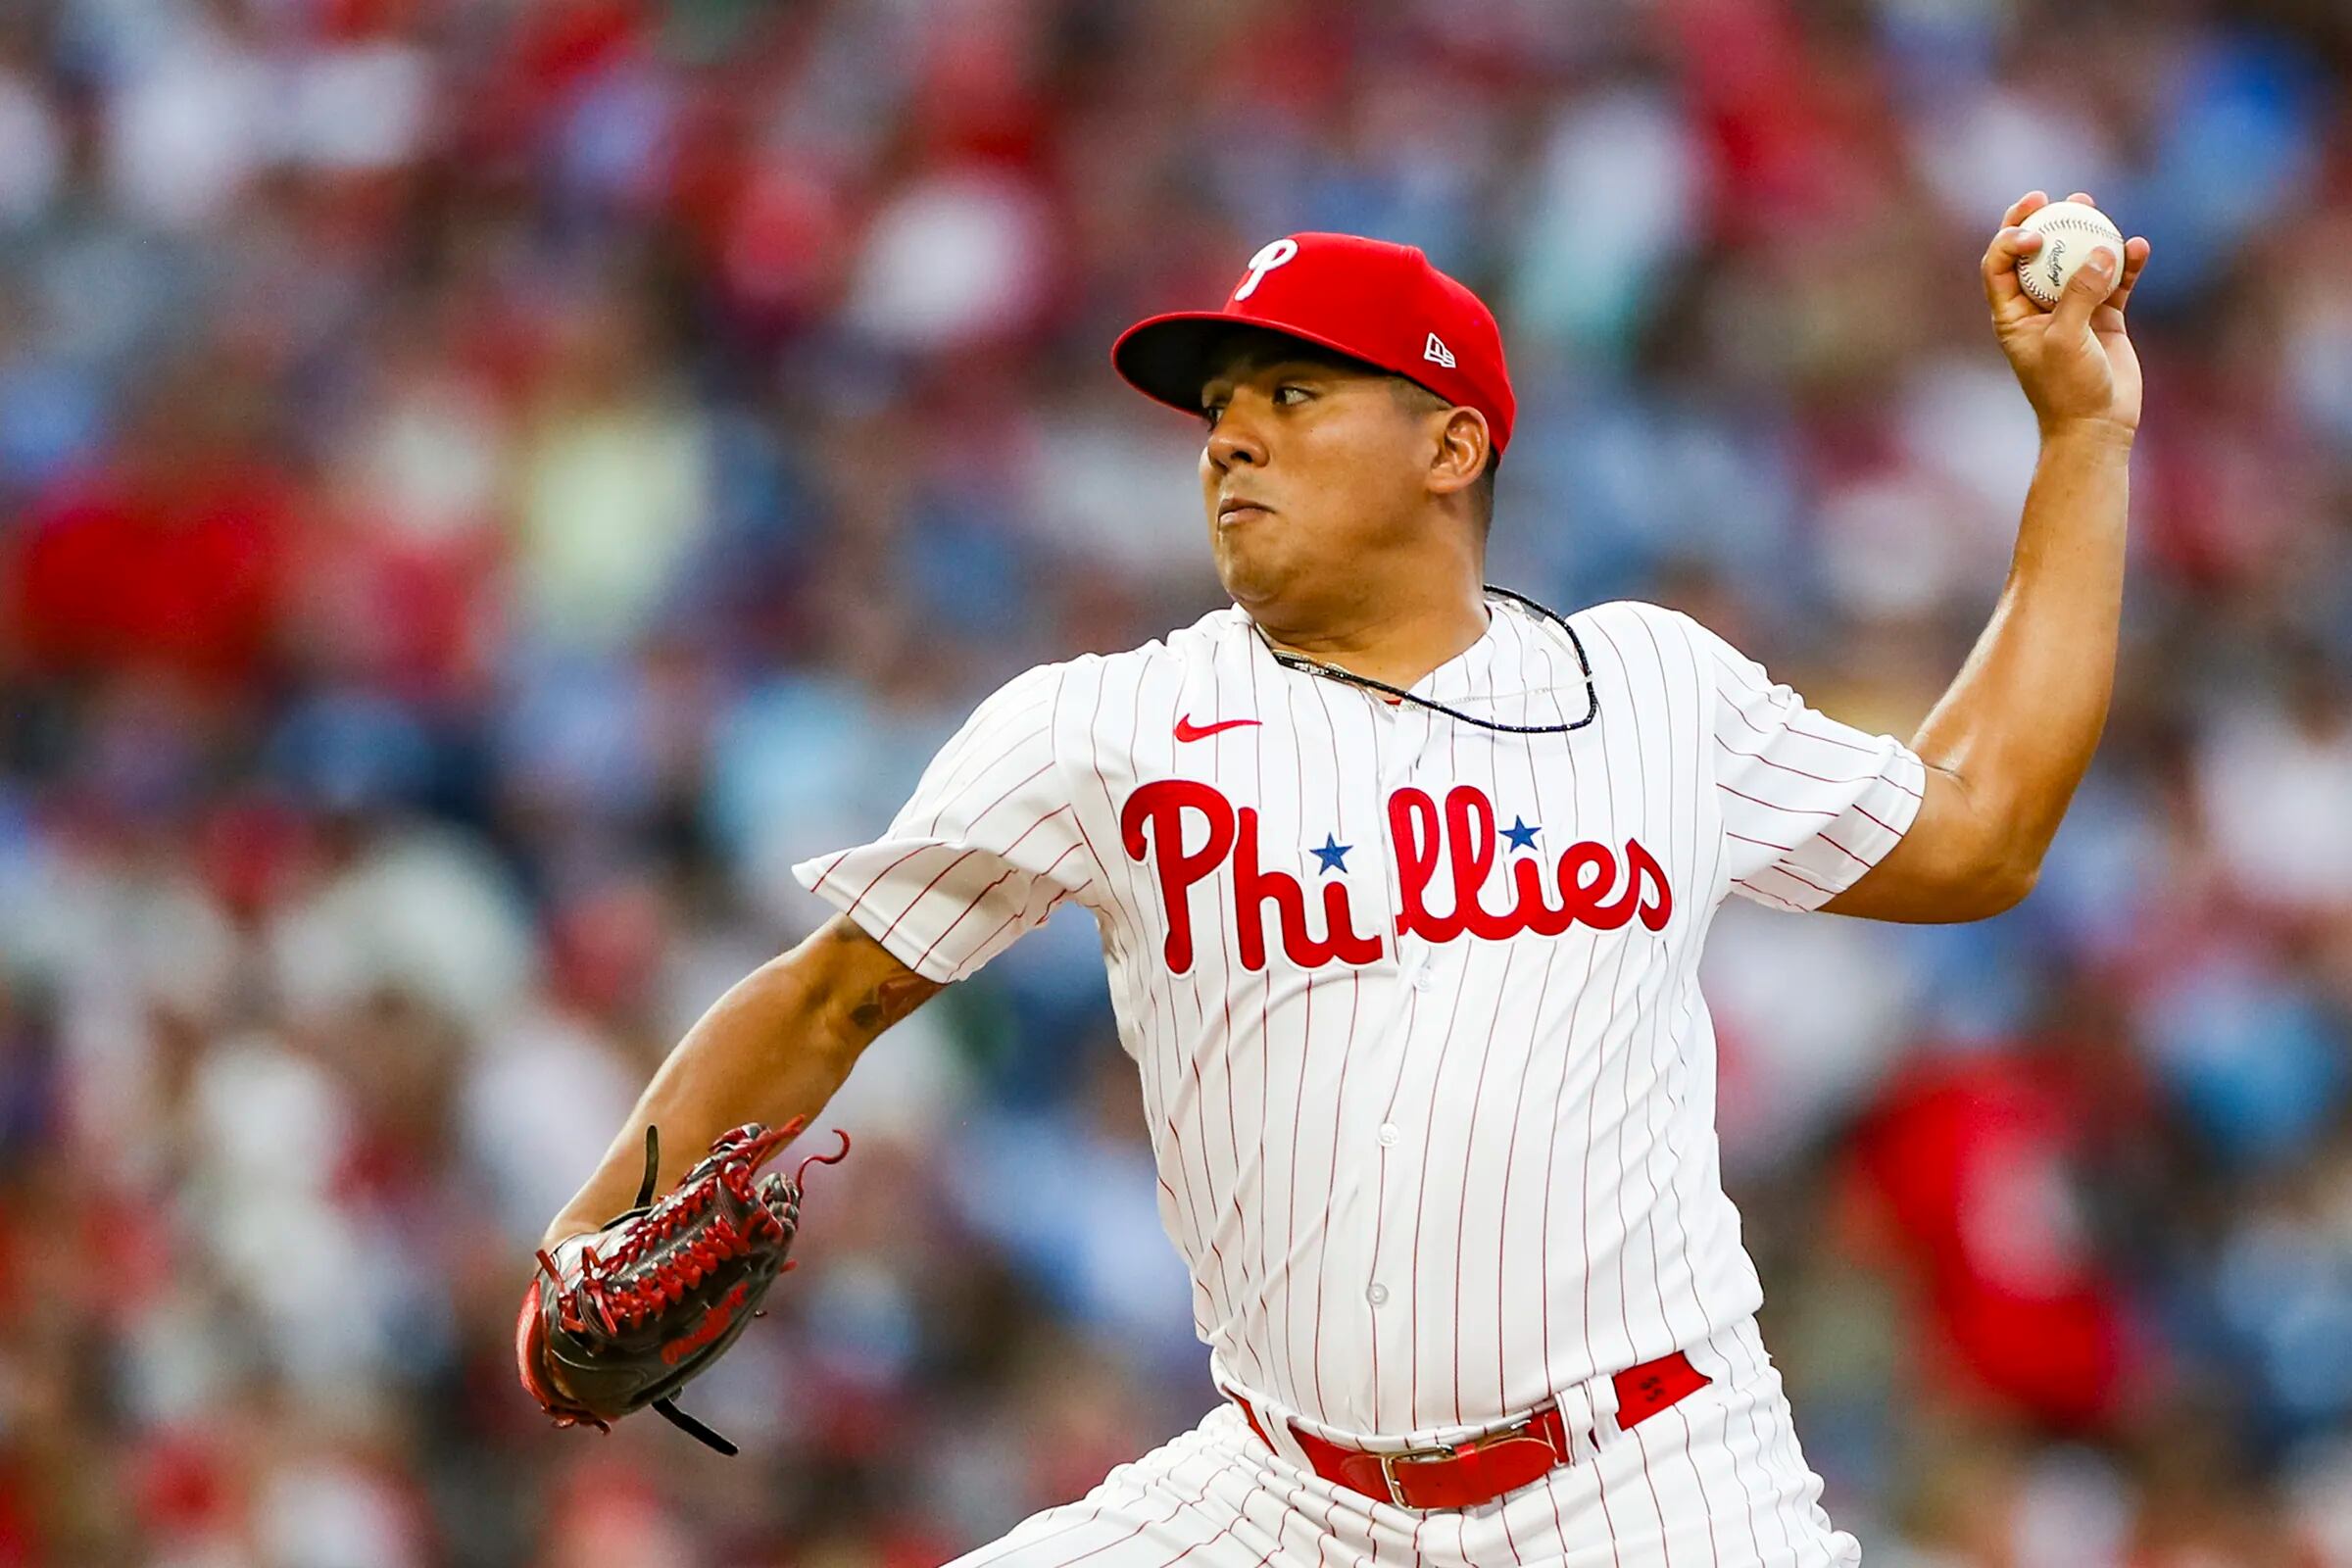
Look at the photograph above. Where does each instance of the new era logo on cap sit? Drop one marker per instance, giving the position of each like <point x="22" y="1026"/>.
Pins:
<point x="1363" y="298"/>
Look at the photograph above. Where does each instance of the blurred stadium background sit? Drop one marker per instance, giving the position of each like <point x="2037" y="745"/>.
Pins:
<point x="484" y="485"/>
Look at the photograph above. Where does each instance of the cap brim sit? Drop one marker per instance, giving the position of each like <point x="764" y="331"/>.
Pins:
<point x="1169" y="358"/>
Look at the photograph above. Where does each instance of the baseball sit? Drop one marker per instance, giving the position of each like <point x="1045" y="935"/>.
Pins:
<point x="2070" y="232"/>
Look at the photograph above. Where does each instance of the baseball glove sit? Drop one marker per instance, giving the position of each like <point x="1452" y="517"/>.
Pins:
<point x="624" y="1320"/>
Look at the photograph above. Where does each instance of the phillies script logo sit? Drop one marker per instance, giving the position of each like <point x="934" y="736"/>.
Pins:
<point x="1589" y="884"/>
<point x="715" y="1323"/>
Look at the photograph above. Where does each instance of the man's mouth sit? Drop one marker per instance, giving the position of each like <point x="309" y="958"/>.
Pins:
<point x="1240" y="509"/>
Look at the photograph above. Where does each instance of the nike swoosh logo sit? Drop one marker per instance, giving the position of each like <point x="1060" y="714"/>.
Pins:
<point x="1187" y="730"/>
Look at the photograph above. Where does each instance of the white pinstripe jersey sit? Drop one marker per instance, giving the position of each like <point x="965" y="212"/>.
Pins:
<point x="1415" y="1003"/>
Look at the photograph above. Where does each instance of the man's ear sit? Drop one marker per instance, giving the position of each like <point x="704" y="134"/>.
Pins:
<point x="1461" y="453"/>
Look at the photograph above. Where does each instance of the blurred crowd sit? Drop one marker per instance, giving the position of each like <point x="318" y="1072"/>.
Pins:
<point x="485" y="485"/>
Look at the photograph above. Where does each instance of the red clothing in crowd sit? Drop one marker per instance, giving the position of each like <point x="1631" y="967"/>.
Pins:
<point x="107" y="576"/>
<point x="1974" y="1161"/>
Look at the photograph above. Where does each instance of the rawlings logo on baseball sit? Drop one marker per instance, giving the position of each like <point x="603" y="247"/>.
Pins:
<point x="2071" y="234"/>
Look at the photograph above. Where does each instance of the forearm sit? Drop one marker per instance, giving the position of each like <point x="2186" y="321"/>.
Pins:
<point x="2018" y="726"/>
<point x="775" y="1045"/>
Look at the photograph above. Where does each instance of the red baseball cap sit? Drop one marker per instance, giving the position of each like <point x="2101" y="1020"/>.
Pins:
<point x="1365" y="298"/>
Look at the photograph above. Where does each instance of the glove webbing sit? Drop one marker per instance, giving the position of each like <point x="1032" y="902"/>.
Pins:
<point x="666" y="1406"/>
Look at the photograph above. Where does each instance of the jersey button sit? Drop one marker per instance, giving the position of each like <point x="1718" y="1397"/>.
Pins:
<point x="1422" y="979"/>
<point x="1378" y="1295"/>
<point x="1389" y="1135"/>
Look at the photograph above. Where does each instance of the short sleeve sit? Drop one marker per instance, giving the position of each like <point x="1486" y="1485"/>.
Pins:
<point x="1809" y="804"/>
<point x="982" y="852"/>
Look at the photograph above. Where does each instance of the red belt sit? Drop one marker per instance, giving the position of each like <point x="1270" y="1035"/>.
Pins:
<point x="1482" y="1469"/>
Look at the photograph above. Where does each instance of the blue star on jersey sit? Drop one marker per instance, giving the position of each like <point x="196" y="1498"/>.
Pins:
<point x="1522" y="836"/>
<point x="1332" y="853"/>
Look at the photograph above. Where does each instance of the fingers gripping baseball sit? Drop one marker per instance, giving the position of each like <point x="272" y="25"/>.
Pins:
<point x="2073" y="360"/>
<point x="2001" y="288"/>
<point x="2084" y="293"/>
<point x="2110" y="317"/>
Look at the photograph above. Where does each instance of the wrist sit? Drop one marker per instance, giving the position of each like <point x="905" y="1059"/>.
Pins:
<point x="2088" y="436"/>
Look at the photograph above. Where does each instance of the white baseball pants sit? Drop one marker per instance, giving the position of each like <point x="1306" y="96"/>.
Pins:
<point x="1715" y="1480"/>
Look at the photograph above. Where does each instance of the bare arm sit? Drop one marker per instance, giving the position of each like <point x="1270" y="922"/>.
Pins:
<point x="775" y="1047"/>
<point x="2011" y="738"/>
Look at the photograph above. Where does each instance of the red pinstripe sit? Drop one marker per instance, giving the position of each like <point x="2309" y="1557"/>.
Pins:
<point x="981" y="815"/>
<point x="1054" y="729"/>
<point x="1775" y="805"/>
<point x="885" y="871"/>
<point x="832" y="864"/>
<point x="1576" y="1008"/>
<point x="1875" y="817"/>
<point x="1819" y="778"/>
<point x="997" y="931"/>
<point x="1412" y="1011"/>
<point x="1743" y="882"/>
<point x="1265" y="1010"/>
<point x="1764" y="689"/>
<point x="908" y="906"/>
<point x="1625" y="1314"/>
<point x="1831" y="740"/>
<point x="1429" y="1128"/>
<point x="1698" y="1476"/>
<point x="1600" y="1488"/>
<point x="1306" y="1035"/>
<point x="1355" y="991"/>
<point x="1223" y="1294"/>
<point x="952" y="792"/>
<point x="1139" y="903"/>
<point x="1194" y="1501"/>
<point x="1122" y="916"/>
<point x="1755" y="1540"/>
<point x="1380" y="1207"/>
<point x="1510" y="1159"/>
<point x="1261" y="1476"/>
<point x="1665" y="1544"/>
<point x="1169" y="1480"/>
<point x="1649" y="1103"/>
<point x="1007" y="1546"/>
<point x="1657" y="1267"/>
<point x="1700" y="684"/>
<point x="1478" y="1100"/>
<point x="1670" y="1066"/>
<point x="1233" y="1136"/>
<point x="1764" y="1437"/>
<point x="1842" y="849"/>
<point x="982" y="895"/>
<point x="1795" y="875"/>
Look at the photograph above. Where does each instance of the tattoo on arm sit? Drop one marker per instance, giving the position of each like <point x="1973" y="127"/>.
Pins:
<point x="891" y="998"/>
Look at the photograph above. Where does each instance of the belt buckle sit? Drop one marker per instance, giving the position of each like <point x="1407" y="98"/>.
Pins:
<point x="1390" y="1461"/>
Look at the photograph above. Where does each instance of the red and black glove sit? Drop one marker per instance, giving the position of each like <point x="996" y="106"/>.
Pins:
<point x="625" y="1318"/>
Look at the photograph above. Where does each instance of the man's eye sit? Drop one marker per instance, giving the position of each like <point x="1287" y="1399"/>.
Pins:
<point x="1284" y="393"/>
<point x="1208" y="415"/>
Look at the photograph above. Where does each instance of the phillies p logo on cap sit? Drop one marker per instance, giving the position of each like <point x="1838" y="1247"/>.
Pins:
<point x="1264" y="262"/>
<point x="1368" y="299"/>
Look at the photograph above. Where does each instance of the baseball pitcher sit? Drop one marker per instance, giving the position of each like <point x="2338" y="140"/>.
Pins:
<point x="1402" y="883"/>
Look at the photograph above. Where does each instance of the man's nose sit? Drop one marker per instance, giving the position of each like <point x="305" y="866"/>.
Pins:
<point x="1236" y="439"/>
